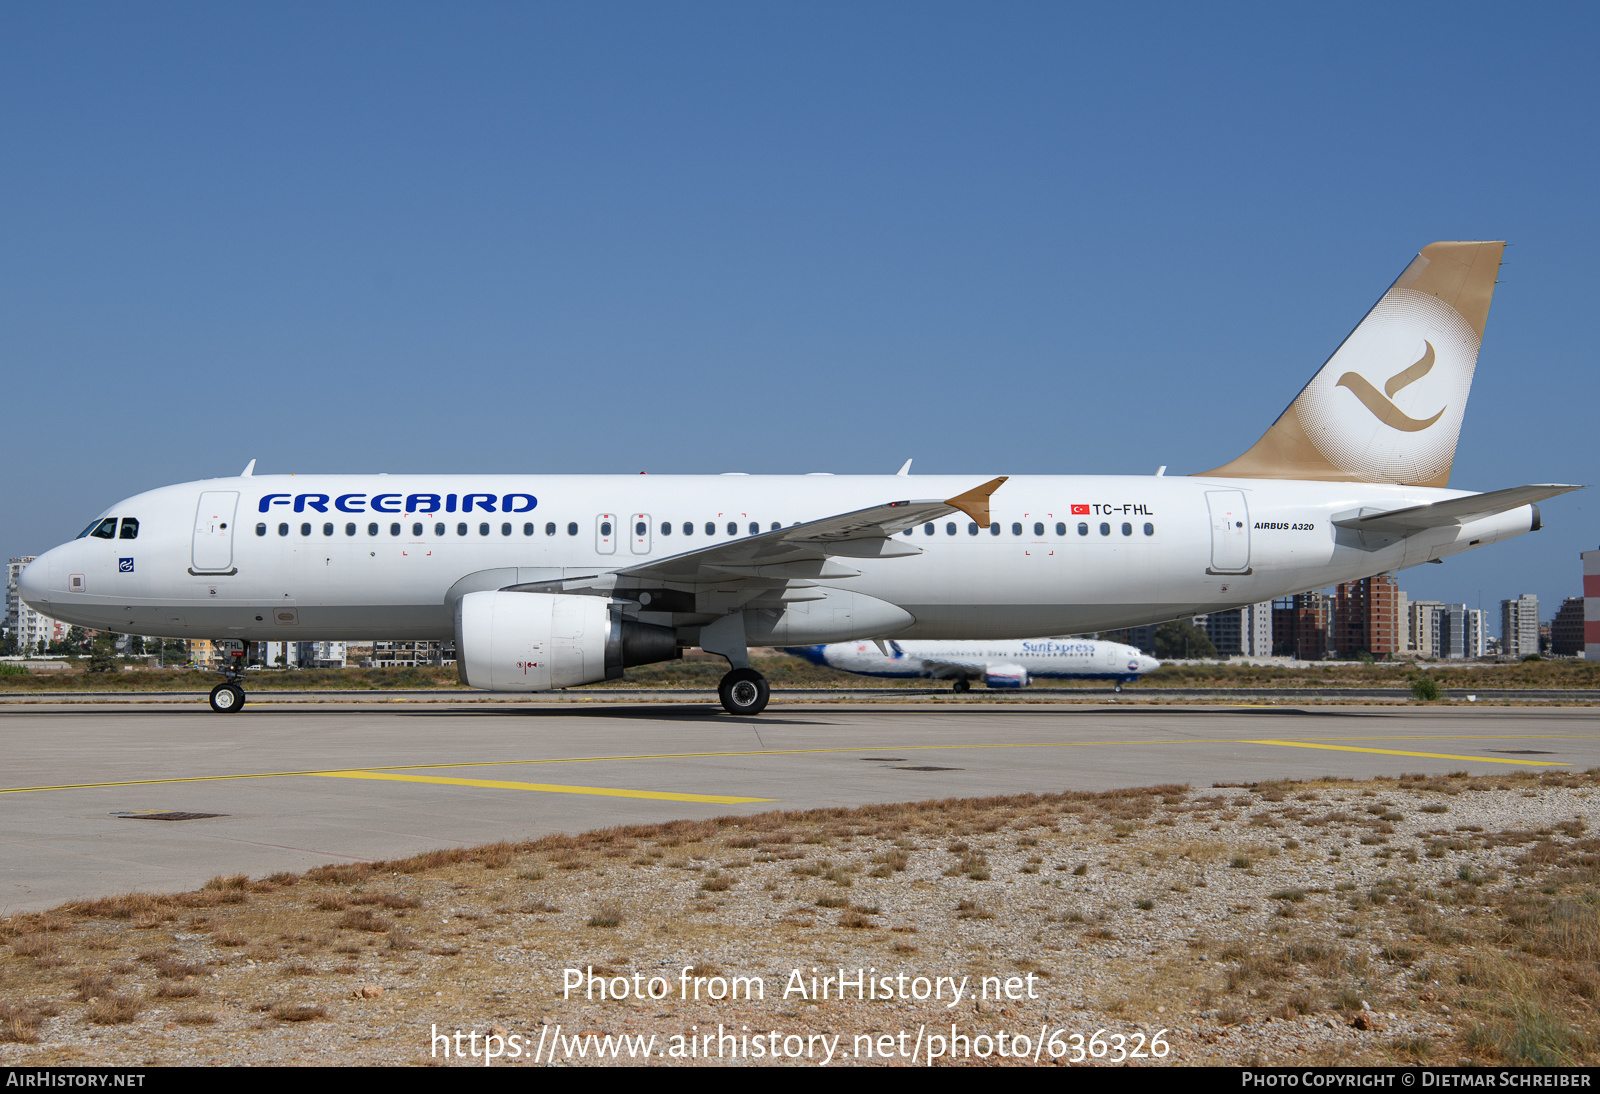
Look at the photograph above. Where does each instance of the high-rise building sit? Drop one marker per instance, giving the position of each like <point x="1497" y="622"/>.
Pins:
<point x="1245" y="631"/>
<point x="1365" y="616"/>
<point x="1591" y="604"/>
<point x="1300" y="625"/>
<point x="1519" y="626"/>
<point x="26" y="625"/>
<point x="1566" y="629"/>
<point x="1423" y="629"/>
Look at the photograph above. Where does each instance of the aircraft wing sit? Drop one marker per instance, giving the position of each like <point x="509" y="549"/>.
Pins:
<point x="946" y="668"/>
<point x="1442" y="514"/>
<point x="803" y="550"/>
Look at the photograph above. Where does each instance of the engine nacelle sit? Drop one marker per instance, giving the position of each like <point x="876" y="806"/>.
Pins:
<point x="1006" y="676"/>
<point x="540" y="641"/>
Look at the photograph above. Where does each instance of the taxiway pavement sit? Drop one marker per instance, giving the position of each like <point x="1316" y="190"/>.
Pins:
<point x="293" y="786"/>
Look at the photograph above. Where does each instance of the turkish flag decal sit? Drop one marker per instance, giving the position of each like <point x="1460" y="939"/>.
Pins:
<point x="1080" y="510"/>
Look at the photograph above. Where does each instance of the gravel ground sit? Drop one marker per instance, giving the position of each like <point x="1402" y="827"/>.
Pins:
<point x="1445" y="920"/>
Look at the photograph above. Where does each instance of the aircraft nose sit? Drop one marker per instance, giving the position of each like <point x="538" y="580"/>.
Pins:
<point x="1148" y="663"/>
<point x="33" y="584"/>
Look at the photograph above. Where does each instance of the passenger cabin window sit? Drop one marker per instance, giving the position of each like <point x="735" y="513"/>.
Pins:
<point x="372" y="529"/>
<point x="1016" y="528"/>
<point x="972" y="528"/>
<point x="305" y="528"/>
<point x="483" y="528"/>
<point x="327" y="529"/>
<point x="1083" y="528"/>
<point x="1105" y="529"/>
<point x="527" y="529"/>
<point x="908" y="531"/>
<point x="416" y="530"/>
<point x="394" y="528"/>
<point x="106" y="529"/>
<point x="550" y="528"/>
<point x="1061" y="528"/>
<point x="688" y="528"/>
<point x="130" y="529"/>
<point x="572" y="528"/>
<point x="711" y="528"/>
<point x="350" y="529"/>
<point x="755" y="529"/>
<point x="994" y="529"/>
<point x="283" y="529"/>
<point x="605" y="528"/>
<point x="505" y="528"/>
<point x="775" y="526"/>
<point x="950" y="528"/>
<point x="1127" y="529"/>
<point x="461" y="529"/>
<point x="1038" y="528"/>
<point x="261" y="529"/>
<point x="438" y="529"/>
<point x="927" y="529"/>
<point x="640" y="527"/>
<point x="1149" y="529"/>
<point x="733" y="528"/>
<point x="666" y="527"/>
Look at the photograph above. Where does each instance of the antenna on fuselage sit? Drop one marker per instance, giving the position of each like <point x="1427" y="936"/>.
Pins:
<point x="249" y="469"/>
<point x="905" y="468"/>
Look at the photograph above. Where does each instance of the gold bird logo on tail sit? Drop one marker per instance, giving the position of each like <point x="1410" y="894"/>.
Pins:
<point x="1385" y="411"/>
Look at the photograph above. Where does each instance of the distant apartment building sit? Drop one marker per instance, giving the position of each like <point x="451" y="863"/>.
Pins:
<point x="299" y="655"/>
<point x="1566" y="629"/>
<point x="1591" y="604"/>
<point x="1301" y="625"/>
<point x="412" y="654"/>
<point x="1422" y="629"/>
<point x="1366" y="616"/>
<point x="202" y="653"/>
<point x="1245" y="631"/>
<point x="27" y="626"/>
<point x="1519" y="626"/>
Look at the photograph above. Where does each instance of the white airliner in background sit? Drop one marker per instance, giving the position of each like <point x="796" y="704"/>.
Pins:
<point x="998" y="664"/>
<point x="554" y="581"/>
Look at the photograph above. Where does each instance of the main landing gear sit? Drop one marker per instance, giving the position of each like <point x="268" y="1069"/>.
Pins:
<point x="744" y="691"/>
<point x="961" y="685"/>
<point x="228" y="697"/>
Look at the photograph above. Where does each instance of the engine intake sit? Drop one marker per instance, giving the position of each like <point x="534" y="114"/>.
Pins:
<point x="540" y="641"/>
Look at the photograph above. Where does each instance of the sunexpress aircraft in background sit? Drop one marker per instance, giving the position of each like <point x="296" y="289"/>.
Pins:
<point x="554" y="581"/>
<point x="999" y="664"/>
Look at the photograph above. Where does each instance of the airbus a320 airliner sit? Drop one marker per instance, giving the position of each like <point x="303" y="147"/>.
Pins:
<point x="555" y="581"/>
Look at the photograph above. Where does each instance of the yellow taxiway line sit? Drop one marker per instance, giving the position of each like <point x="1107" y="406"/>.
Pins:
<point x="548" y="788"/>
<point x="1424" y="755"/>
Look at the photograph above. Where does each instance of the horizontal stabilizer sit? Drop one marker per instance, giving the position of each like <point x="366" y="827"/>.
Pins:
<point x="1442" y="514"/>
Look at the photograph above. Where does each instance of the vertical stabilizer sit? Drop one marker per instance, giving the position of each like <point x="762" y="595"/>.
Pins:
<point x="1387" y="406"/>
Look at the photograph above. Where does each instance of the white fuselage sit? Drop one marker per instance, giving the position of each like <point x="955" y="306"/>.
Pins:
<point x="998" y="662"/>
<point x="353" y="556"/>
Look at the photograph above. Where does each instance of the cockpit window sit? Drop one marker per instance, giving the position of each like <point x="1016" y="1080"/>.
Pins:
<point x="93" y="524"/>
<point x="130" y="528"/>
<point x="106" y="529"/>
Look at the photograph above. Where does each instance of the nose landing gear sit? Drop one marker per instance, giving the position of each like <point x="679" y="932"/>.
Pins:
<point x="228" y="697"/>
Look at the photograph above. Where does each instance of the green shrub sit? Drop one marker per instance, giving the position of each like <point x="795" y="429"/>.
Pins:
<point x="1424" y="687"/>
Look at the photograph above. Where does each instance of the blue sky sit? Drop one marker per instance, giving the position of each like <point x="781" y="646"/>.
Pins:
<point x="698" y="238"/>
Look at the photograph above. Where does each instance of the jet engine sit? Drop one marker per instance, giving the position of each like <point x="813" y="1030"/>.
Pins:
<point x="539" y="641"/>
<point x="1006" y="676"/>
